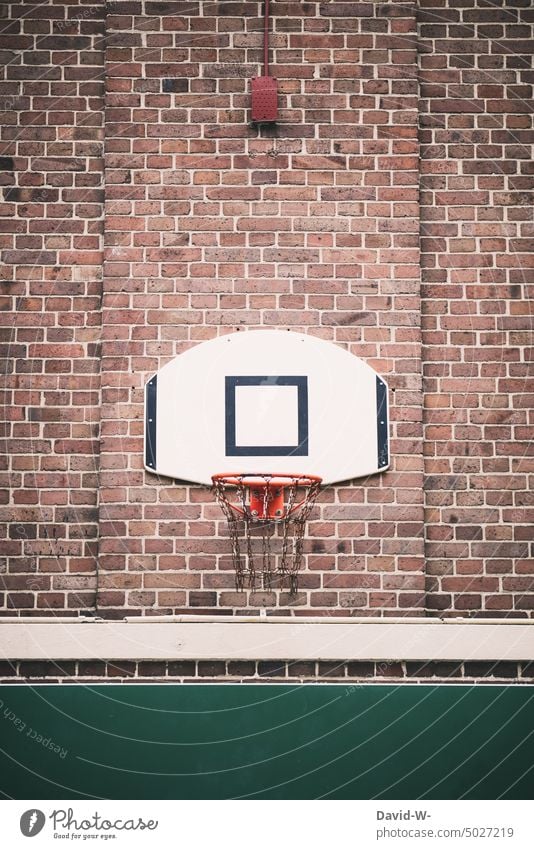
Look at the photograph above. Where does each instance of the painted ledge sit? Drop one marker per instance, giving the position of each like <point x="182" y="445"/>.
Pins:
<point x="266" y="638"/>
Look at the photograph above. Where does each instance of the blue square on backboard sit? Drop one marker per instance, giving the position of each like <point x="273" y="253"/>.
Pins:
<point x="299" y="449"/>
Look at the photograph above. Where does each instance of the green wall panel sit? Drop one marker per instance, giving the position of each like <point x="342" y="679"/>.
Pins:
<point x="175" y="741"/>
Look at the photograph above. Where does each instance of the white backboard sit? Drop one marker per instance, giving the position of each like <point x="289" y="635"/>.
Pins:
<point x="266" y="401"/>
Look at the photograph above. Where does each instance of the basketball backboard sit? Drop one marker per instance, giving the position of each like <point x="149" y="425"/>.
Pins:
<point x="266" y="401"/>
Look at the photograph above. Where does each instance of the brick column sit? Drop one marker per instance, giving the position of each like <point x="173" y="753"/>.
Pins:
<point x="477" y="255"/>
<point x="213" y="227"/>
<point x="51" y="209"/>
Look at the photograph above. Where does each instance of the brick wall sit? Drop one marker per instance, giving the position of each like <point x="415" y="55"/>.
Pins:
<point x="210" y="227"/>
<point x="477" y="259"/>
<point x="277" y="671"/>
<point x="51" y="100"/>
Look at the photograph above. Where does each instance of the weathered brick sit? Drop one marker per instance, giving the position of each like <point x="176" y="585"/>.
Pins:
<point x="121" y="669"/>
<point x="181" y="668"/>
<point x="272" y="669"/>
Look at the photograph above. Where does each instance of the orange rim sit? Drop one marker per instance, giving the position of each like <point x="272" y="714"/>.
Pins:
<point x="261" y="481"/>
<point x="267" y="479"/>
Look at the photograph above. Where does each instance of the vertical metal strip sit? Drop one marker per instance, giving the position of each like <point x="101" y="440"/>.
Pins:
<point x="303" y="424"/>
<point x="151" y="422"/>
<point x="382" y="426"/>
<point x="266" y="40"/>
<point x="230" y="384"/>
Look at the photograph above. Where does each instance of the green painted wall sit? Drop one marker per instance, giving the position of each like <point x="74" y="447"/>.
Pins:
<point x="267" y="741"/>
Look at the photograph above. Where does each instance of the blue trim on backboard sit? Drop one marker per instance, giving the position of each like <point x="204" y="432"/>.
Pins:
<point x="382" y="426"/>
<point x="233" y="450"/>
<point x="151" y="422"/>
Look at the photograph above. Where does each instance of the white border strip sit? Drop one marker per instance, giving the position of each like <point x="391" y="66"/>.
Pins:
<point x="259" y="638"/>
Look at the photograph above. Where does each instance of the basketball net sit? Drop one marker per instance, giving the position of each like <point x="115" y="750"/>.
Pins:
<point x="266" y="515"/>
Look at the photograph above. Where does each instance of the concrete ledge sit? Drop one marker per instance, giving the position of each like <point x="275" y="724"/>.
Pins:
<point x="263" y="638"/>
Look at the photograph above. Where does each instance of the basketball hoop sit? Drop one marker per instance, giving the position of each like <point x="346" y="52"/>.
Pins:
<point x="268" y="511"/>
